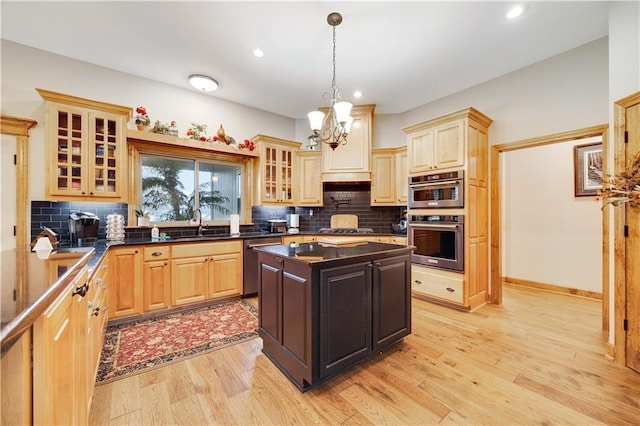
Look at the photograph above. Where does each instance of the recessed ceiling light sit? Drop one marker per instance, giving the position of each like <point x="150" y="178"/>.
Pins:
<point x="357" y="94"/>
<point x="516" y="11"/>
<point x="258" y="53"/>
<point x="203" y="82"/>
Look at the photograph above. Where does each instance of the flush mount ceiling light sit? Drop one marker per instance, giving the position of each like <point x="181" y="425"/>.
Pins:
<point x="333" y="127"/>
<point x="516" y="11"/>
<point x="203" y="83"/>
<point x="257" y="52"/>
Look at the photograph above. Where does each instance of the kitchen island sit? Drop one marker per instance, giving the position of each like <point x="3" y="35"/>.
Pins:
<point x="326" y="307"/>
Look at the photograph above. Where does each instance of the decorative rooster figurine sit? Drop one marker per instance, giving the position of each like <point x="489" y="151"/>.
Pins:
<point x="222" y="136"/>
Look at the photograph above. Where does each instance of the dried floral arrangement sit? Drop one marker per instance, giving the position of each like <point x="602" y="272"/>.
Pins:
<point x="623" y="187"/>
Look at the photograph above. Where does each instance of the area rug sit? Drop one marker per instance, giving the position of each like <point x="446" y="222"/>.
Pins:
<point x="142" y="345"/>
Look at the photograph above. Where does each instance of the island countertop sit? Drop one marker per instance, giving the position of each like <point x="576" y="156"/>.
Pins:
<point x="315" y="252"/>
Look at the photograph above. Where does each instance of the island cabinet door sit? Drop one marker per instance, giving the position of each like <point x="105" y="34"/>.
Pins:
<point x="391" y="316"/>
<point x="285" y="316"/>
<point x="345" y="316"/>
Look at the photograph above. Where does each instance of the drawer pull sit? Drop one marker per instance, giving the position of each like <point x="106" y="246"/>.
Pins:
<point x="156" y="253"/>
<point x="450" y="290"/>
<point x="82" y="290"/>
<point x="417" y="281"/>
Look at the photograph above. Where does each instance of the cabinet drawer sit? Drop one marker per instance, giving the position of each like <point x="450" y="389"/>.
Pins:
<point x="206" y="249"/>
<point x="156" y="253"/>
<point x="445" y="285"/>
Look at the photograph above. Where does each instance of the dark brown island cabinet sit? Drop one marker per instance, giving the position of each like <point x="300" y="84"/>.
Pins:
<point x="325" y="308"/>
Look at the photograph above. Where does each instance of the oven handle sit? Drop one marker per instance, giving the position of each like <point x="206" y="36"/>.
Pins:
<point x="434" y="226"/>
<point x="446" y="182"/>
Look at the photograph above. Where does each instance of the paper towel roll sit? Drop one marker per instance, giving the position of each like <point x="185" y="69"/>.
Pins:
<point x="234" y="224"/>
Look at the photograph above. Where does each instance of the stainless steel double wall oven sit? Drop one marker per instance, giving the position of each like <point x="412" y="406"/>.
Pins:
<point x="438" y="238"/>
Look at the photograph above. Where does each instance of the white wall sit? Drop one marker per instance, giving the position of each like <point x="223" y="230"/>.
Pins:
<point x="25" y="68"/>
<point x="550" y="236"/>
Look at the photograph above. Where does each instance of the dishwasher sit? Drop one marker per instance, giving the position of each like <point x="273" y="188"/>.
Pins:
<point x="250" y="263"/>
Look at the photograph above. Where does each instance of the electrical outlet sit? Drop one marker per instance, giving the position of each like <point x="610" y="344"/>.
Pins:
<point x="310" y="212"/>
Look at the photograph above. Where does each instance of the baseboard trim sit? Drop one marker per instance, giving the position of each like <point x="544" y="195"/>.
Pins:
<point x="553" y="288"/>
<point x="610" y="352"/>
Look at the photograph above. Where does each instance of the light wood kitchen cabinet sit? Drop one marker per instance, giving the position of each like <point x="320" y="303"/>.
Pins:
<point x="398" y="240"/>
<point x="85" y="148"/>
<point x="402" y="176"/>
<point x="351" y="162"/>
<point x="17" y="382"/>
<point x="460" y="142"/>
<point x="60" y="365"/>
<point x="125" y="292"/>
<point x="435" y="146"/>
<point x="205" y="271"/>
<point x="309" y="183"/>
<point x="383" y="182"/>
<point x="299" y="239"/>
<point x="156" y="278"/>
<point x="389" y="177"/>
<point x="276" y="171"/>
<point x="98" y="303"/>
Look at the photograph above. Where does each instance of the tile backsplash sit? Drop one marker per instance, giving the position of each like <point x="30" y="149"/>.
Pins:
<point x="337" y="199"/>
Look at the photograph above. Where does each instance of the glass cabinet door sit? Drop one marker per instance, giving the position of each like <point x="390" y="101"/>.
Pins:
<point x="70" y="146"/>
<point x="105" y="154"/>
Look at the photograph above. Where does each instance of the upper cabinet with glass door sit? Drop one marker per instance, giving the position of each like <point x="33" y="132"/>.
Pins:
<point x="275" y="172"/>
<point x="85" y="148"/>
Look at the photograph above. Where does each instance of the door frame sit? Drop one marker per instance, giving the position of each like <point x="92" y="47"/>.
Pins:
<point x="496" y="220"/>
<point x="618" y="352"/>
<point x="19" y="127"/>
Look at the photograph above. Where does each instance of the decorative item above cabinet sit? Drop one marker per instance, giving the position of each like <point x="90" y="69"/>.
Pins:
<point x="85" y="148"/>
<point x="352" y="161"/>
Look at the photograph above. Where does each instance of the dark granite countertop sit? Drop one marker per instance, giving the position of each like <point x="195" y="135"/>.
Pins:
<point x="320" y="252"/>
<point x="31" y="282"/>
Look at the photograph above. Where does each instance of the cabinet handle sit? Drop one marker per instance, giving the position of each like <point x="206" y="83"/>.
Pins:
<point x="98" y="281"/>
<point x="156" y="253"/>
<point x="105" y="287"/>
<point x="104" y="266"/>
<point x="450" y="290"/>
<point x="95" y="312"/>
<point x="89" y="304"/>
<point x="417" y="281"/>
<point x="82" y="290"/>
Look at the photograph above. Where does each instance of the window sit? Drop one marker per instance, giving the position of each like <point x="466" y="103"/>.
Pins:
<point x="168" y="188"/>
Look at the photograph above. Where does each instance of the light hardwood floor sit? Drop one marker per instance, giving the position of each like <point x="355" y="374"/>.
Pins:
<point x="538" y="359"/>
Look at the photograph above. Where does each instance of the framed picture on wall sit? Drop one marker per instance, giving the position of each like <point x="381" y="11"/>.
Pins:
<point x="587" y="163"/>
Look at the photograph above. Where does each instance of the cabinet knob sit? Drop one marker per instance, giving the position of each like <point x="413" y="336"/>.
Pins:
<point x="104" y="266"/>
<point x="156" y="253"/>
<point x="105" y="287"/>
<point x="417" y="281"/>
<point x="450" y="290"/>
<point x="89" y="304"/>
<point x="98" y="281"/>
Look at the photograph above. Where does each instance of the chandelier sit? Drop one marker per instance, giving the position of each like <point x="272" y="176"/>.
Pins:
<point x="332" y="128"/>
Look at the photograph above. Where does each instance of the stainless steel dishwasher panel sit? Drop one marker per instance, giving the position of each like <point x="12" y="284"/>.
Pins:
<point x="250" y="266"/>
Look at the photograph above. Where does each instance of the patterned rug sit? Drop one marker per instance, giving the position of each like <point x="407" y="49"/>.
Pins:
<point x="142" y="345"/>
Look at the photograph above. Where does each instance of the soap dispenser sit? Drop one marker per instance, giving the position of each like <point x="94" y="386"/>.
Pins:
<point x="155" y="232"/>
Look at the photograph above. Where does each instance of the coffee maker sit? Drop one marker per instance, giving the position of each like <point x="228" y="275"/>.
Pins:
<point x="294" y="224"/>
<point x="83" y="227"/>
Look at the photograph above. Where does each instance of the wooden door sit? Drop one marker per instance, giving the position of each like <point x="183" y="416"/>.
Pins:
<point x="125" y="293"/>
<point x="189" y="278"/>
<point x="225" y="275"/>
<point x="309" y="178"/>
<point x="391" y="313"/>
<point x="449" y="144"/>
<point x="383" y="188"/>
<point x="345" y="316"/>
<point x="156" y="285"/>
<point x="632" y="250"/>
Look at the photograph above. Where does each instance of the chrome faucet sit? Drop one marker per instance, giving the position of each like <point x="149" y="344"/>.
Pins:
<point x="197" y="217"/>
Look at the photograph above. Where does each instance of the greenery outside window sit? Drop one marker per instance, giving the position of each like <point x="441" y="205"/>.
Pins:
<point x="168" y="188"/>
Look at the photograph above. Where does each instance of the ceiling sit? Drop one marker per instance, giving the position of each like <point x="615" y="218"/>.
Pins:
<point x="399" y="54"/>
